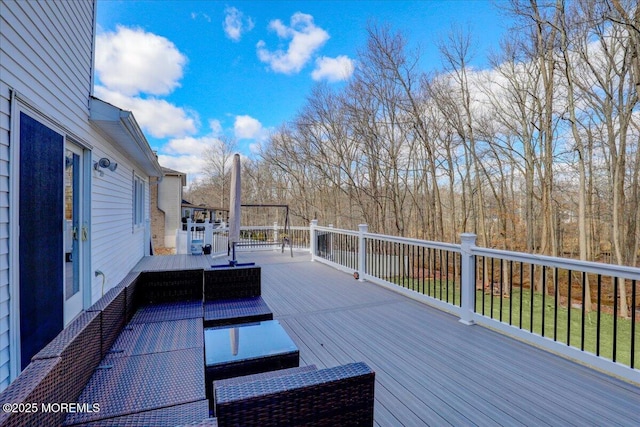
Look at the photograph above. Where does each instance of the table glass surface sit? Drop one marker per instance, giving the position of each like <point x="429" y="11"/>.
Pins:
<point x="247" y="341"/>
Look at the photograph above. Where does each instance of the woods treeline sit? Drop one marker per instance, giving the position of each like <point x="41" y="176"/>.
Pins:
<point x="537" y="153"/>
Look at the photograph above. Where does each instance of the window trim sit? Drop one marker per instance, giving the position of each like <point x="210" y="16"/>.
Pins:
<point x="139" y="197"/>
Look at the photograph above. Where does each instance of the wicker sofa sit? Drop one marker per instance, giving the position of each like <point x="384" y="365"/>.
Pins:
<point x="135" y="358"/>
<point x="305" y="396"/>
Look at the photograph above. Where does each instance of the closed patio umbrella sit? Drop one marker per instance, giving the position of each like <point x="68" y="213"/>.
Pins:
<point x="234" y="206"/>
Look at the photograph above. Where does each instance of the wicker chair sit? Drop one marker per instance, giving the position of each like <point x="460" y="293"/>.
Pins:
<point x="343" y="395"/>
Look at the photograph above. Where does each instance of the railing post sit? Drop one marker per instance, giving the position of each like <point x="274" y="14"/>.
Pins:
<point x="331" y="256"/>
<point x="313" y="242"/>
<point x="467" y="278"/>
<point x="362" y="251"/>
<point x="189" y="236"/>
<point x="208" y="234"/>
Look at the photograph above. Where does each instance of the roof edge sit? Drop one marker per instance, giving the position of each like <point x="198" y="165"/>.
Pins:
<point x="104" y="114"/>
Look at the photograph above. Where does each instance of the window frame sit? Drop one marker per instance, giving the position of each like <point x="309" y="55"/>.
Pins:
<point x="139" y="197"/>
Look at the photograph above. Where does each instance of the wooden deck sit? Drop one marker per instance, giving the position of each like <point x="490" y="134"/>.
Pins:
<point x="430" y="368"/>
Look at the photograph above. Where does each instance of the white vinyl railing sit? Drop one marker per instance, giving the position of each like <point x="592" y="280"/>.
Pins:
<point x="568" y="306"/>
<point x="252" y="238"/>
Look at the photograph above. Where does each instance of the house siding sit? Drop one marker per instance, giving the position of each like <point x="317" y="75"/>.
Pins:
<point x="157" y="216"/>
<point x="4" y="225"/>
<point x="46" y="60"/>
<point x="169" y="200"/>
<point x="112" y="223"/>
<point x="46" y="56"/>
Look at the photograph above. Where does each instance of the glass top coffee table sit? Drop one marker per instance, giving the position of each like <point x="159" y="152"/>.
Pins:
<point x="245" y="349"/>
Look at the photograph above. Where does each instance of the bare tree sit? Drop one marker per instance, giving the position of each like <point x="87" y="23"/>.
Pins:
<point x="218" y="158"/>
<point x="456" y="51"/>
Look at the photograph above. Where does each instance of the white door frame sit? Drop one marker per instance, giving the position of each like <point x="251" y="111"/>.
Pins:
<point x="74" y="305"/>
<point x="19" y="103"/>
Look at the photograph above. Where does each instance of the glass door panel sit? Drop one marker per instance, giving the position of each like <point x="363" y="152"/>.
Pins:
<point x="74" y="233"/>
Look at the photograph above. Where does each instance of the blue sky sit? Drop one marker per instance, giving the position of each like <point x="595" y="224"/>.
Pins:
<point x="193" y="71"/>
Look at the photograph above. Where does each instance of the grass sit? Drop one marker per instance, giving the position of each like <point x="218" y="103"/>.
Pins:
<point x="559" y="323"/>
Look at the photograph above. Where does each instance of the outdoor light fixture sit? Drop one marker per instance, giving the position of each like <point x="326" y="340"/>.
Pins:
<point x="104" y="163"/>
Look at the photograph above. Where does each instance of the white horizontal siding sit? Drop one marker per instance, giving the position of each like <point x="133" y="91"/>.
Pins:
<point x="4" y="238"/>
<point x="46" y="53"/>
<point x="46" y="56"/>
<point x="47" y="48"/>
<point x="116" y="244"/>
<point x="4" y="212"/>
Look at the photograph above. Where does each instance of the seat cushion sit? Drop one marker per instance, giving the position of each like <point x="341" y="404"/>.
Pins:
<point x="127" y="385"/>
<point x="156" y="337"/>
<point x="233" y="311"/>
<point x="168" y="311"/>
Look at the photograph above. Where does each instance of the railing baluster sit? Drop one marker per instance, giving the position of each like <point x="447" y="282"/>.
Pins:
<point x="412" y="267"/>
<point x="403" y="265"/>
<point x="599" y="311"/>
<point x="584" y="308"/>
<point x="570" y="279"/>
<point x="378" y="259"/>
<point x="634" y="314"/>
<point x="441" y="273"/>
<point x="446" y="283"/>
<point x="521" y="296"/>
<point x="555" y="304"/>
<point x="544" y="295"/>
<point x="531" y="296"/>
<point x="484" y="281"/>
<point x="615" y="318"/>
<point x="456" y="279"/>
<point x="421" y="266"/>
<point x="510" y="292"/>
<point x="434" y="273"/>
<point x="491" y="280"/>
<point x="388" y="271"/>
<point x="501" y="284"/>
<point x="396" y="265"/>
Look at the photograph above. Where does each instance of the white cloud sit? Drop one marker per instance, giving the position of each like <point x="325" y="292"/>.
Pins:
<point x="216" y="127"/>
<point x="190" y="164"/>
<point x="158" y="117"/>
<point x="235" y="24"/>
<point x="333" y="69"/>
<point x="132" y="61"/>
<point x="196" y="15"/>
<point x="256" y="147"/>
<point x="189" y="146"/>
<point x="188" y="154"/>
<point x="246" y="127"/>
<point x="305" y="38"/>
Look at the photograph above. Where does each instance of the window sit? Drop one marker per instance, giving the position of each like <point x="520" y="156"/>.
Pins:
<point x="138" y="201"/>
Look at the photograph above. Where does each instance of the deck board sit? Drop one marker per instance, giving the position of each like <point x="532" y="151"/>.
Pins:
<point x="430" y="368"/>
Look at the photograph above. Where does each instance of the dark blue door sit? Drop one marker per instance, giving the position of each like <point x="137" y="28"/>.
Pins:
<point x="41" y="239"/>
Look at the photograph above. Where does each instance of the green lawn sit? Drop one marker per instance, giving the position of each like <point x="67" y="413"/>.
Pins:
<point x="556" y="324"/>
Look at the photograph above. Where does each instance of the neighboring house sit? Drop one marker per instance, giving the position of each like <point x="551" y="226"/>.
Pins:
<point x="166" y="198"/>
<point x="74" y="178"/>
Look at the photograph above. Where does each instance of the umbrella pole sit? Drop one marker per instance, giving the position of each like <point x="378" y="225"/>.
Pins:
<point x="233" y="261"/>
